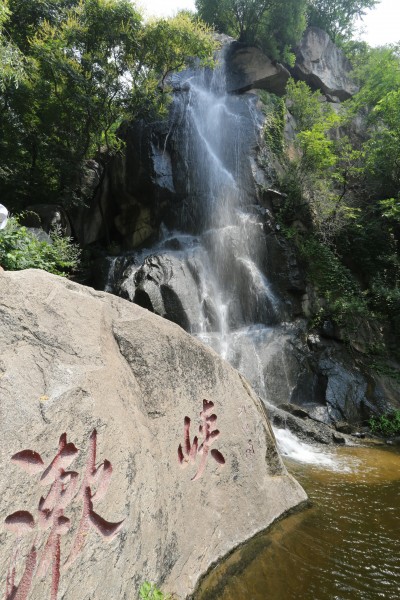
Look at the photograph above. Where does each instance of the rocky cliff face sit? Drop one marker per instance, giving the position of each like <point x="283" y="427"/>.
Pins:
<point x="161" y="204"/>
<point x="91" y="385"/>
<point x="324" y="66"/>
<point x="238" y="285"/>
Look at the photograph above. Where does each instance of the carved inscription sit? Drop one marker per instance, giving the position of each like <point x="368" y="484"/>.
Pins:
<point x="190" y="451"/>
<point x="64" y="489"/>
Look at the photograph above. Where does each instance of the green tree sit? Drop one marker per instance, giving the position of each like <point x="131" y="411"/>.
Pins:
<point x="379" y="96"/>
<point x="273" y="25"/>
<point x="11" y="58"/>
<point x="90" y="64"/>
<point x="281" y="29"/>
<point x="338" y="17"/>
<point x="166" y="46"/>
<point x="240" y="18"/>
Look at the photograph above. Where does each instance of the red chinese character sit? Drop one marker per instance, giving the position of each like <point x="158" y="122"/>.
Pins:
<point x="209" y="433"/>
<point x="63" y="490"/>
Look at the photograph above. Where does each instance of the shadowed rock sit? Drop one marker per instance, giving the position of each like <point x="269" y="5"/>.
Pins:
<point x="248" y="68"/>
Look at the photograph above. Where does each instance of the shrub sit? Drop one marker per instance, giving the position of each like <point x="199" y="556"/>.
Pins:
<point x="334" y="282"/>
<point x="21" y="249"/>
<point x="386" y="425"/>
<point x="274" y="110"/>
<point x="149" y="591"/>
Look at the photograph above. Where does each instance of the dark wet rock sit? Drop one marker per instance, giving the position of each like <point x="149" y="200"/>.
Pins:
<point x="343" y="427"/>
<point x="284" y="269"/>
<point x="48" y="217"/>
<point x="271" y="198"/>
<point x="91" y="221"/>
<point x="297" y="411"/>
<point x="305" y="429"/>
<point x="346" y="392"/>
<point x="165" y="284"/>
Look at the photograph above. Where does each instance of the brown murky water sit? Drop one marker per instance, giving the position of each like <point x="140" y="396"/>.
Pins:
<point x="345" y="547"/>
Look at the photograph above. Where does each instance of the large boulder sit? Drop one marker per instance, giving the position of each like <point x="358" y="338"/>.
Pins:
<point x="248" y="68"/>
<point x="166" y="284"/>
<point x="48" y="217"/>
<point x="113" y="379"/>
<point x="323" y="65"/>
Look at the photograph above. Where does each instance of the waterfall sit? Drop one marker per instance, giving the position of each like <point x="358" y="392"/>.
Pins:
<point x="210" y="272"/>
<point x="221" y="208"/>
<point x="290" y="446"/>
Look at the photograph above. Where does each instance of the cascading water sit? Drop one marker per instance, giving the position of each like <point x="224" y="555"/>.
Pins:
<point x="220" y="208"/>
<point x="210" y="275"/>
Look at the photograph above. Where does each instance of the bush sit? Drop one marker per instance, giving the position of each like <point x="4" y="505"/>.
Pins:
<point x="274" y="110"/>
<point x="21" y="249"/>
<point x="334" y="282"/>
<point x="386" y="425"/>
<point x="149" y="591"/>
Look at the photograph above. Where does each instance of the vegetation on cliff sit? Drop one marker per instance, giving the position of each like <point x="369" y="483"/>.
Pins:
<point x="21" y="248"/>
<point x="277" y="26"/>
<point x="345" y="180"/>
<point x="72" y="70"/>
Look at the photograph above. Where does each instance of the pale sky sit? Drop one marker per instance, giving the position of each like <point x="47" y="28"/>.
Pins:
<point x="381" y="25"/>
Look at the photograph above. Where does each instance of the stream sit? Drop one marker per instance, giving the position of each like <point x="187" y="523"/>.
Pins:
<point x="345" y="546"/>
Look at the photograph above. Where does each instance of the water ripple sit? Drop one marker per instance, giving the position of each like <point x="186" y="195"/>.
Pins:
<point x="346" y="547"/>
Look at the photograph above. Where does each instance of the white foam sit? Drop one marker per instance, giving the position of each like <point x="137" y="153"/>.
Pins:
<point x="289" y="445"/>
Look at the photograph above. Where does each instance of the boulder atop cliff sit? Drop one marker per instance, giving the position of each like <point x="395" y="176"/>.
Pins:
<point x="84" y="373"/>
<point x="323" y="65"/>
<point x="248" y="68"/>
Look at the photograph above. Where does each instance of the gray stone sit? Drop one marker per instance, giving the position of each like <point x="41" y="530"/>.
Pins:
<point x="48" y="217"/>
<point x="343" y="427"/>
<point x="40" y="235"/>
<point x="165" y="284"/>
<point x="297" y="411"/>
<point x="249" y="68"/>
<point x="323" y="65"/>
<point x="346" y="392"/>
<point x="305" y="429"/>
<point x="91" y="220"/>
<point x="73" y="361"/>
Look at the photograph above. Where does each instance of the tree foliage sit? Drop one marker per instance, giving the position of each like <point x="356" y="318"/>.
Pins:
<point x="240" y="18"/>
<point x="281" y="29"/>
<point x="11" y="59"/>
<point x="276" y="26"/>
<point x="271" y="24"/>
<point x="89" y="64"/>
<point x="379" y="78"/>
<point x="346" y="175"/>
<point x="338" y="17"/>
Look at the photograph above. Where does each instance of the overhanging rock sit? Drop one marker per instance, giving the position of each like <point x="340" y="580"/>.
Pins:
<point x="323" y="65"/>
<point x="248" y="68"/>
